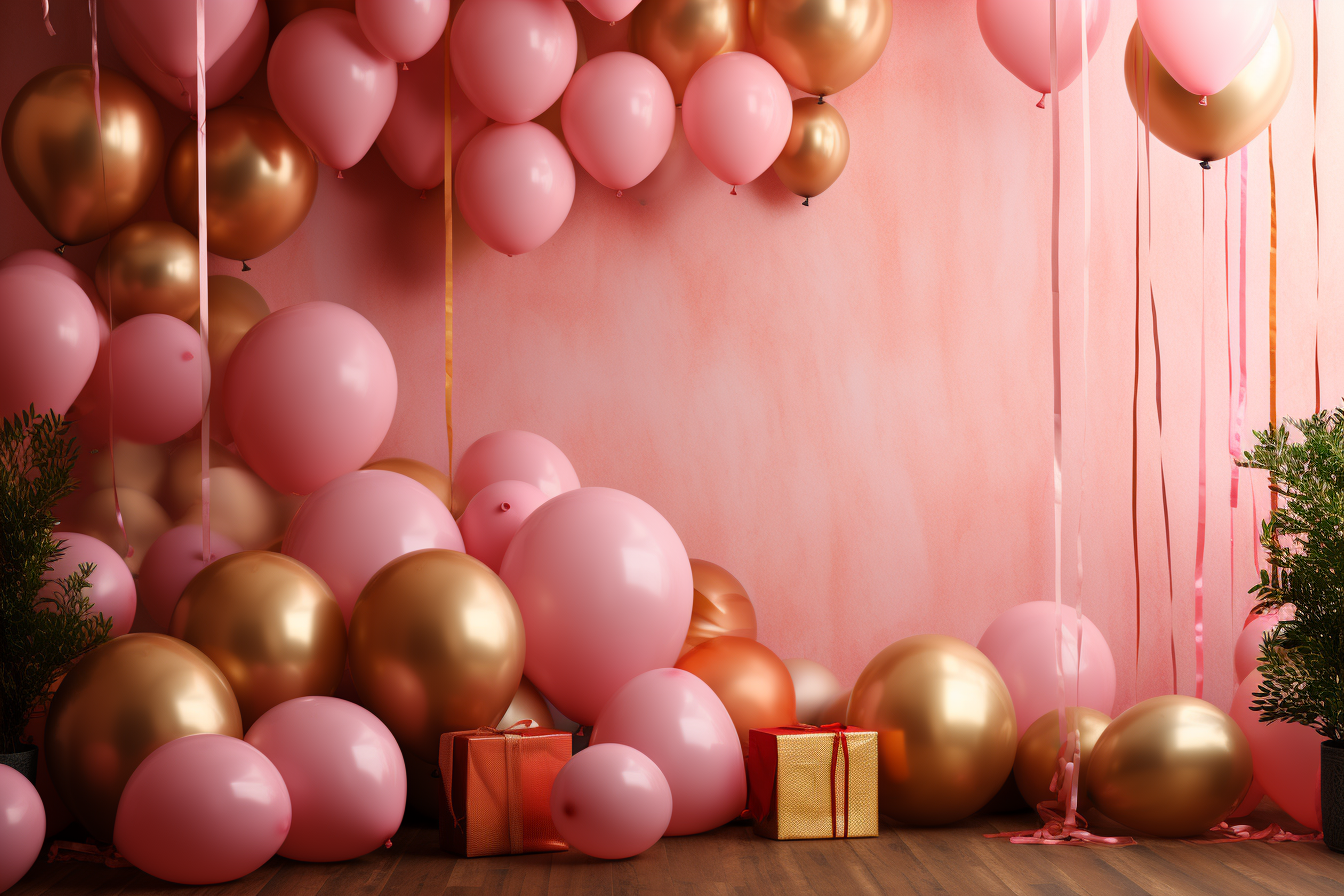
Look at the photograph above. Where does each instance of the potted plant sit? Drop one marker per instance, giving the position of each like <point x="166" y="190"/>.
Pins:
<point x="1302" y="659"/>
<point x="45" y="625"/>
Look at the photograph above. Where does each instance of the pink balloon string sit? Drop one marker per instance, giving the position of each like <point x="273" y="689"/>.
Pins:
<point x="68" y="851"/>
<point x="1244" y="833"/>
<point x="203" y="265"/>
<point x="46" y="17"/>
<point x="1201" y="526"/>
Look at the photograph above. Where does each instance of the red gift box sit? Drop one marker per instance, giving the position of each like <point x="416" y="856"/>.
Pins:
<point x="807" y="782"/>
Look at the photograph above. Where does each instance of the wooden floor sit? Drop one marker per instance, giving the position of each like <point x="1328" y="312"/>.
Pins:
<point x="732" y="860"/>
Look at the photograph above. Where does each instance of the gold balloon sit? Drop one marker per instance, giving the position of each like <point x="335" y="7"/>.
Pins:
<point x="678" y="36"/>
<point x="58" y="163"/>
<point x="1233" y="116"/>
<point x="139" y="467"/>
<point x="816" y="151"/>
<point x="150" y="267"/>
<point x="814" y="688"/>
<point x="753" y="683"/>
<point x="527" y="704"/>
<point x="436" y="645"/>
<point x="1038" y="752"/>
<point x="720" y="606"/>
<point x="270" y="625"/>
<point x="144" y="519"/>
<point x="836" y="710"/>
<point x="430" y="477"/>
<point x="1170" y="766"/>
<point x="820" y="46"/>
<point x="120" y="703"/>
<point x="946" y="728"/>
<point x="242" y="507"/>
<point x="182" y="484"/>
<point x="260" y="181"/>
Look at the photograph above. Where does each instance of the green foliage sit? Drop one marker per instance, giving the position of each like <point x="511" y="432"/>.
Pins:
<point x="41" y="631"/>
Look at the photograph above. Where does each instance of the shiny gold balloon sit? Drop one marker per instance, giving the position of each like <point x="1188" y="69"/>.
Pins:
<point x="235" y="308"/>
<point x="720" y="606"/>
<point x="260" y="181"/>
<point x="678" y="36"/>
<point x="242" y="507"/>
<point x="57" y="162"/>
<point x="120" y="703"/>
<point x="814" y="688"/>
<point x="270" y="625"/>
<point x="753" y="683"/>
<point x="182" y="484"/>
<point x="947" y="730"/>
<point x="836" y="710"/>
<point x="144" y="519"/>
<point x="1038" y="752"/>
<point x="1232" y="117"/>
<point x="816" y="151"/>
<point x="1170" y="766"/>
<point x="820" y="46"/>
<point x="436" y="645"/>
<point x="527" y="704"/>
<point x="430" y="477"/>
<point x="150" y="267"/>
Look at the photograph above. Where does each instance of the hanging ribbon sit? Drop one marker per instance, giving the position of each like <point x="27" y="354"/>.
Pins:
<point x="204" y="266"/>
<point x="46" y="17"/>
<point x="1316" y="193"/>
<point x="1273" y="302"/>
<point x="448" y="253"/>
<point x="1237" y="388"/>
<point x="1202" y="516"/>
<point x="1085" y="85"/>
<point x="1134" y="407"/>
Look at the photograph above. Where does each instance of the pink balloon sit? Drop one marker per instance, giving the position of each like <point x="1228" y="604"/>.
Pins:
<point x="166" y="30"/>
<point x="309" y="395"/>
<point x="58" y="814"/>
<point x="1246" y="653"/>
<point x="513" y="58"/>
<point x="170" y="563"/>
<point x="737" y="113"/>
<point x="1286" y="757"/>
<point x="48" y="340"/>
<point x="494" y="516"/>
<point x="610" y="802"/>
<point x="512" y="454"/>
<point x="677" y="721"/>
<point x="202" y="809"/>
<point x="403" y="30"/>
<point x="1021" y="645"/>
<point x="468" y="121"/>
<point x="23" y="826"/>
<point x="330" y="85"/>
<point x="358" y="523"/>
<point x="610" y="11"/>
<point x="1250" y="802"/>
<point x="156" y="378"/>
<point x="345" y="775"/>
<point x="515" y="184"/>
<point x="111" y="586"/>
<point x="412" y="139"/>
<point x="1203" y="44"/>
<point x="1017" y="32"/>
<point x="617" y="116"/>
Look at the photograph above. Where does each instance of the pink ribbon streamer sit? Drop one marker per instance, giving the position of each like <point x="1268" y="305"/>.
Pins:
<point x="46" y="17"/>
<point x="1244" y="833"/>
<point x="1202" y="525"/>
<point x="204" y="271"/>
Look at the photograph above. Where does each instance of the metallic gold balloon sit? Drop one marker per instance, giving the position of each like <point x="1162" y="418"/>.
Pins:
<point x="120" y="703"/>
<point x="144" y="519"/>
<point x="260" y="181"/>
<point x="814" y="688"/>
<point x="820" y="46"/>
<point x="57" y="162"/>
<point x="270" y="625"/>
<point x="836" y="710"/>
<point x="150" y="267"/>
<point x="1038" y="752"/>
<point x="430" y="477"/>
<point x="182" y="484"/>
<point x="1170" y="766"/>
<point x="753" y="683"/>
<point x="1233" y="116"/>
<point x="527" y="704"/>
<point x="242" y="507"/>
<point x="720" y="606"/>
<point x="947" y="730"/>
<point x="816" y="151"/>
<point x="436" y="645"/>
<point x="678" y="36"/>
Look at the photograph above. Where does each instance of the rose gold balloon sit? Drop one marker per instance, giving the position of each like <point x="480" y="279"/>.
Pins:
<point x="752" y="682"/>
<point x="720" y="606"/>
<point x="436" y="644"/>
<point x="678" y="36"/>
<point x="144" y="519"/>
<point x="527" y="704"/>
<point x="150" y="267"/>
<point x="260" y="181"/>
<point x="283" y="12"/>
<point x="270" y="625"/>
<point x="1038" y="751"/>
<point x="120" y="703"/>
<point x="835" y="710"/>
<point x="57" y="162"/>
<point x="946" y="728"/>
<point x="139" y="467"/>
<point x="820" y="46"/>
<point x="182" y="484"/>
<point x="242" y="508"/>
<point x="814" y="688"/>
<point x="1232" y="117"/>
<point x="430" y="477"/>
<point x="816" y="151"/>
<point x="235" y="307"/>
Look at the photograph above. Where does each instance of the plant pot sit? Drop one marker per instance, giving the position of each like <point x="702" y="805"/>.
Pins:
<point x="1332" y="794"/>
<point x="25" y="762"/>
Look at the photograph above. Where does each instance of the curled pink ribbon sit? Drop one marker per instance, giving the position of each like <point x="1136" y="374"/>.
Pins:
<point x="46" y="17"/>
<point x="1243" y="833"/>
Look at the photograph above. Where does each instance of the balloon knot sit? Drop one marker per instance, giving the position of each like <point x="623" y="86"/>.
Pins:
<point x="60" y="250"/>
<point x="424" y="194"/>
<point x="1204" y="101"/>
<point x="245" y="267"/>
<point x="1204" y="163"/>
<point x="611" y="24"/>
<point x="505" y="506"/>
<point x="821" y="99"/>
<point x="387" y="844"/>
<point x="733" y="191"/>
<point x="405" y="68"/>
<point x="340" y="175"/>
<point x="620" y="193"/>
<point x="805" y="199"/>
<point x="1040" y="104"/>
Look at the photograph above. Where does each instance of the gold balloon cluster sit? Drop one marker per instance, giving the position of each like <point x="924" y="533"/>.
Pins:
<point x="1037" y="760"/>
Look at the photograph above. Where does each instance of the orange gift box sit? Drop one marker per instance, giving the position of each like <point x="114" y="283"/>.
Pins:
<point x="496" y="794"/>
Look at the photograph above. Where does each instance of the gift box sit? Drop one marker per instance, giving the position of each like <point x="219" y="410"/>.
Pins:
<point x="810" y="783"/>
<point x="496" y="793"/>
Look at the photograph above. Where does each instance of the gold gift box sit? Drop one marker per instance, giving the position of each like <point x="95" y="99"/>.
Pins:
<point x="811" y="783"/>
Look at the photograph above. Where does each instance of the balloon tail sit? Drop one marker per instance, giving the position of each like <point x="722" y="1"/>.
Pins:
<point x="340" y="175"/>
<point x="1204" y="163"/>
<point x="405" y="68"/>
<point x="1041" y="103"/>
<point x="1204" y="101"/>
<point x="60" y="250"/>
<point x="821" y="99"/>
<point x="733" y="191"/>
<point x="620" y="193"/>
<point x="387" y="844"/>
<point x="505" y="507"/>
<point x="424" y="193"/>
<point x="805" y="200"/>
<point x="245" y="267"/>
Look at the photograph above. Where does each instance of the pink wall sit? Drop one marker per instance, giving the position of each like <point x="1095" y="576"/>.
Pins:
<point x="848" y="405"/>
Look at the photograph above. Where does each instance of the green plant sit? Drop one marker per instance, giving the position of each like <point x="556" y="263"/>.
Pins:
<point x="44" y="625"/>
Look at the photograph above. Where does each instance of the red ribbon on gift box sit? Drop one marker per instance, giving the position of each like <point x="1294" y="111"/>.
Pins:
<point x="763" y="773"/>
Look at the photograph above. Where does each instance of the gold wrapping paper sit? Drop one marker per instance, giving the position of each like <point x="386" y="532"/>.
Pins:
<point x="790" y="773"/>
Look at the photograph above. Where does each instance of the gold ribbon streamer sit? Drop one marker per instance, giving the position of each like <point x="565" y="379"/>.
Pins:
<point x="448" y="250"/>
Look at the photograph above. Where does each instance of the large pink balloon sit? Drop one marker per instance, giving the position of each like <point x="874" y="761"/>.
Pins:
<point x="610" y="802"/>
<point x="111" y="586"/>
<point x="1021" y="645"/>
<point x="1246" y="653"/>
<point x="333" y="89"/>
<point x="1017" y="32"/>
<point x="1286" y="757"/>
<point x="156" y="378"/>
<point x="358" y="523"/>
<point x="617" y="115"/>
<point x="513" y="58"/>
<point x="170" y="563"/>
<point x="494" y="516"/>
<point x="597" y="574"/>
<point x="512" y="454"/>
<point x="344" y="772"/>
<point x="1203" y="44"/>
<point x="202" y="809"/>
<point x="412" y="139"/>
<point x="309" y="395"/>
<point x="48" y="340"/>
<point x="166" y="30"/>
<point x="737" y="113"/>
<point x="403" y="30"/>
<point x="23" y="826"/>
<point x="515" y="184"/>
<point x="674" y="718"/>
